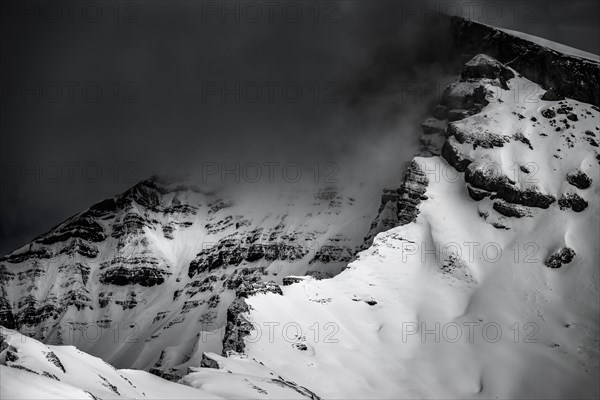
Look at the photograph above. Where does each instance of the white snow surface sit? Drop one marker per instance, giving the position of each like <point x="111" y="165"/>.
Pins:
<point x="64" y="372"/>
<point x="404" y="321"/>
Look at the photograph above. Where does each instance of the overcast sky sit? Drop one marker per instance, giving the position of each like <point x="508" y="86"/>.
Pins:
<point x="96" y="98"/>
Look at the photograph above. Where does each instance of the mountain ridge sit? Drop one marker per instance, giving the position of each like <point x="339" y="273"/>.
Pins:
<point x="483" y="166"/>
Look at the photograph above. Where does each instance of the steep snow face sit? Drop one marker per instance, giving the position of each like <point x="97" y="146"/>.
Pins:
<point x="161" y="261"/>
<point x="489" y="290"/>
<point x="32" y="370"/>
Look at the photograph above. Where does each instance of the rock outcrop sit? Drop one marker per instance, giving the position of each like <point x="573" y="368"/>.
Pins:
<point x="567" y="76"/>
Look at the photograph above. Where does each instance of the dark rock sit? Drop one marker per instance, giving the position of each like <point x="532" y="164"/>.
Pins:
<point x="464" y="99"/>
<point x="572" y="201"/>
<point x="237" y="327"/>
<point x="458" y="114"/>
<point x="552" y="95"/>
<point x="129" y="302"/>
<point x="170" y="374"/>
<point x="483" y="66"/>
<point x="11" y="356"/>
<point x="486" y="140"/>
<point x="411" y="194"/>
<point x="290" y="280"/>
<point x="250" y="289"/>
<point x="504" y="188"/>
<point x="132" y="224"/>
<point x="498" y="225"/>
<point x="332" y="254"/>
<point x="102" y="209"/>
<point x="230" y="251"/>
<point x="400" y="207"/>
<point x="510" y="210"/>
<point x="213" y="301"/>
<point x="318" y="275"/>
<point x="7" y="317"/>
<point x="569" y="76"/>
<point x="453" y="156"/>
<point x="79" y="298"/>
<point x="53" y="358"/>
<point x="144" y="276"/>
<point x="304" y="392"/>
<point x="84" y="228"/>
<point x="454" y="266"/>
<point x="521" y="138"/>
<point x="558" y="259"/>
<point x="208" y="362"/>
<point x="477" y="194"/>
<point x="80" y="247"/>
<point x="592" y="142"/>
<point x="548" y="113"/>
<point x="579" y="179"/>
<point x="31" y="253"/>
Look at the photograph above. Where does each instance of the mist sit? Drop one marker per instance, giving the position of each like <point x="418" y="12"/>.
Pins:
<point x="96" y="99"/>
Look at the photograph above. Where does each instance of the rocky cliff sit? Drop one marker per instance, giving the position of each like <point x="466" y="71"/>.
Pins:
<point x="165" y="259"/>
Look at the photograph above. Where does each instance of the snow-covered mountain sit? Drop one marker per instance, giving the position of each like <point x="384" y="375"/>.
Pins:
<point x="163" y="260"/>
<point x="491" y="290"/>
<point x="479" y="275"/>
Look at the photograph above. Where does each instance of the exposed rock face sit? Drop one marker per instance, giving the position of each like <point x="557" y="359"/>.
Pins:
<point x="454" y="157"/>
<point x="504" y="188"/>
<point x="290" y="280"/>
<point x="572" y="201"/>
<point x="510" y="210"/>
<point x="250" y="289"/>
<point x="514" y="191"/>
<point x="400" y="207"/>
<point x="208" y="362"/>
<point x="579" y="179"/>
<point x="234" y="251"/>
<point x="568" y="76"/>
<point x="237" y="327"/>
<point x="552" y="95"/>
<point x="333" y="253"/>
<point x="483" y="66"/>
<point x="144" y="276"/>
<point x="177" y="250"/>
<point x="487" y="140"/>
<point x="558" y="259"/>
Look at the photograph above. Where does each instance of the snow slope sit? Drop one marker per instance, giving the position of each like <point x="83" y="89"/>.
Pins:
<point x="32" y="370"/>
<point x="468" y="301"/>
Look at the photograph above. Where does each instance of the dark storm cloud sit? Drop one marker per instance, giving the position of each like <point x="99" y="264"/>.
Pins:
<point x="95" y="97"/>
